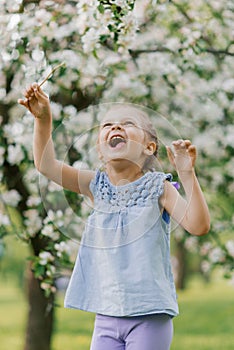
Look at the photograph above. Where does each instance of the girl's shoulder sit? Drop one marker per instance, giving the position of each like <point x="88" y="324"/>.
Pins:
<point x="157" y="180"/>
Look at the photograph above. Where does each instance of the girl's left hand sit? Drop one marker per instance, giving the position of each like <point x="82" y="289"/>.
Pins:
<point x="184" y="156"/>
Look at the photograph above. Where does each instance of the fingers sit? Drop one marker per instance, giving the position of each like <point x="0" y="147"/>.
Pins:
<point x="182" y="149"/>
<point x="23" y="102"/>
<point x="28" y="94"/>
<point x="181" y="144"/>
<point x="184" y="145"/>
<point x="192" y="150"/>
<point x="192" y="153"/>
<point x="33" y="92"/>
<point x="187" y="143"/>
<point x="38" y="91"/>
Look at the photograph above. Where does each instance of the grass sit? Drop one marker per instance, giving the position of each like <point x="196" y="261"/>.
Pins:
<point x="206" y="317"/>
<point x="73" y="329"/>
<point x="13" y="316"/>
<point x="205" y="321"/>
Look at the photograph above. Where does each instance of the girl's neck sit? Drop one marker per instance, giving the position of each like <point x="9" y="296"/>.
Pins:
<point x="119" y="176"/>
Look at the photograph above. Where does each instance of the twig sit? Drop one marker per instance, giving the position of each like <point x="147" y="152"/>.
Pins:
<point x="136" y="53"/>
<point x="219" y="52"/>
<point x="63" y="64"/>
<point x="215" y="52"/>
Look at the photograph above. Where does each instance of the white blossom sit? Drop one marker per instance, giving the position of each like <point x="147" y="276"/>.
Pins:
<point x="30" y="179"/>
<point x="33" y="201"/>
<point x="33" y="222"/>
<point x="90" y="40"/>
<point x="11" y="198"/>
<point x="37" y="55"/>
<point x="61" y="248"/>
<point x="70" y="111"/>
<point x="230" y="247"/>
<point x="56" y="110"/>
<point x="13" y="21"/>
<point x="50" y="271"/>
<point x="45" y="258"/>
<point x="43" y="16"/>
<point x="228" y="85"/>
<point x="216" y="255"/>
<point x="205" y="266"/>
<point x="49" y="287"/>
<point x="15" y="154"/>
<point x="55" y="217"/>
<point x="4" y="220"/>
<point x="191" y="244"/>
<point x="14" y="132"/>
<point x="205" y="248"/>
<point x="49" y="231"/>
<point x="229" y="137"/>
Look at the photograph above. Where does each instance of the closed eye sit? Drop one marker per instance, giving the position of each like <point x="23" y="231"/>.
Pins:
<point x="128" y="122"/>
<point x="125" y="123"/>
<point x="107" y="125"/>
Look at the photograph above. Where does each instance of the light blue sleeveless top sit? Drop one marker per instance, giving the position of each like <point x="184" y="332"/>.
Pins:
<point x="123" y="265"/>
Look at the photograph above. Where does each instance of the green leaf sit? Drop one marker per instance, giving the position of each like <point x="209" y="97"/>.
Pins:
<point x="103" y="38"/>
<point x="111" y="28"/>
<point x="39" y="270"/>
<point x="101" y="8"/>
<point x="95" y="54"/>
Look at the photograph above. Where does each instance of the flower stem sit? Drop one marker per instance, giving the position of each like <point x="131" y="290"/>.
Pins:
<point x="63" y="64"/>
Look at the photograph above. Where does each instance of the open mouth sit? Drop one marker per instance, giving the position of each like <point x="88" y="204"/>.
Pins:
<point x="116" y="141"/>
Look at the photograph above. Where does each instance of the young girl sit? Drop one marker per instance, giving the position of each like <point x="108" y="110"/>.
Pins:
<point x="123" y="272"/>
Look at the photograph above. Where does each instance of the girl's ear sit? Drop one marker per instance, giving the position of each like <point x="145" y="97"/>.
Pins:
<point x="150" y="148"/>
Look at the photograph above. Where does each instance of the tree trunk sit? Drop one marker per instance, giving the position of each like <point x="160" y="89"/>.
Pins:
<point x="40" y="316"/>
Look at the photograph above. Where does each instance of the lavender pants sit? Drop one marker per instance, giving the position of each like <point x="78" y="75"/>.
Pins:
<point x="149" y="332"/>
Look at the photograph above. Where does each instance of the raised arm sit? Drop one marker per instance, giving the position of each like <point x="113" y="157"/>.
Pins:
<point x="192" y="212"/>
<point x="37" y="102"/>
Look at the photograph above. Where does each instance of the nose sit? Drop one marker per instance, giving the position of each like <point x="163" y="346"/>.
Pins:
<point x="116" y="126"/>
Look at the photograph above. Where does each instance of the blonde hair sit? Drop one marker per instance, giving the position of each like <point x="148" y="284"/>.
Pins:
<point x="146" y="125"/>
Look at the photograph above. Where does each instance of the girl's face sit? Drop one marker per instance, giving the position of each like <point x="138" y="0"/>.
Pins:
<point x="121" y="136"/>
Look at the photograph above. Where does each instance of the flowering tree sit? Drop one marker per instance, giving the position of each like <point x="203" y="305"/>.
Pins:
<point x="173" y="57"/>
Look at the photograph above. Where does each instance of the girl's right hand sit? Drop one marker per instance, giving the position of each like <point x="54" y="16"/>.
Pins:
<point x="184" y="156"/>
<point x="36" y="101"/>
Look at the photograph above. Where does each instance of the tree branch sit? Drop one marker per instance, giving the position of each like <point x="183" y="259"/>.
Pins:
<point x="182" y="10"/>
<point x="219" y="52"/>
<point x="135" y="53"/>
